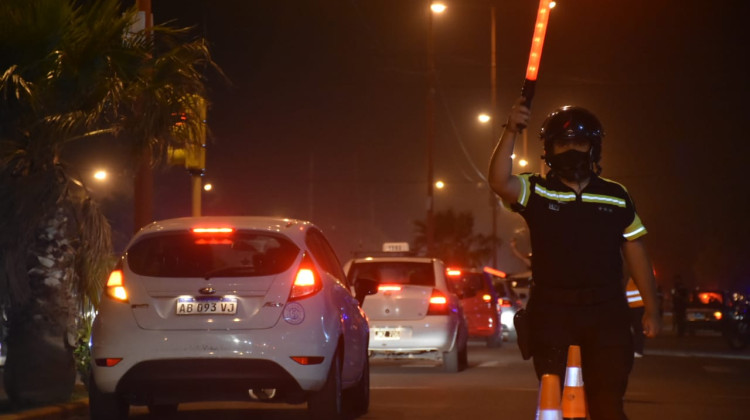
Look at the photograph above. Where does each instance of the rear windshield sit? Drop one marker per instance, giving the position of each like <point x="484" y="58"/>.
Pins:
<point x="414" y="273"/>
<point x="707" y="298"/>
<point x="468" y="284"/>
<point x="185" y="254"/>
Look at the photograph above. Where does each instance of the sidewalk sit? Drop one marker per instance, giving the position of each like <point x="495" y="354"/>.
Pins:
<point x="77" y="407"/>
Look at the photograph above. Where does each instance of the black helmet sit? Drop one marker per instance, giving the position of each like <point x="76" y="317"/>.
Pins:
<point x="571" y="122"/>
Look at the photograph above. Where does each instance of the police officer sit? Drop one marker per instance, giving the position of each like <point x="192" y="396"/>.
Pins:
<point x="582" y="226"/>
<point x="637" y="309"/>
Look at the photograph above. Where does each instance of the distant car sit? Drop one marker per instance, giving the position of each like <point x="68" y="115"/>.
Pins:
<point x="414" y="314"/>
<point x="521" y="284"/>
<point x="707" y="310"/>
<point x="508" y="302"/>
<point x="229" y="308"/>
<point x="480" y="303"/>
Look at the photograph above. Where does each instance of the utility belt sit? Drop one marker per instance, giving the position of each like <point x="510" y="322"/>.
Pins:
<point x="587" y="296"/>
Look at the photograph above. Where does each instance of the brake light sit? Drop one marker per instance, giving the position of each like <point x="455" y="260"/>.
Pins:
<point x="487" y="298"/>
<point x="213" y="230"/>
<point x="116" y="286"/>
<point x="503" y="302"/>
<point x="307" y="282"/>
<point x="495" y="272"/>
<point x="438" y="303"/>
<point x="453" y="272"/>
<point x="389" y="288"/>
<point x="718" y="315"/>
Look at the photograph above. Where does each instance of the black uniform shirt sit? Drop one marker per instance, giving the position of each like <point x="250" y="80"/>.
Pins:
<point x="576" y="239"/>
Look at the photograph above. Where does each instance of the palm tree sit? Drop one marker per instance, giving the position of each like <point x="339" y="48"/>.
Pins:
<point x="71" y="71"/>
<point x="455" y="241"/>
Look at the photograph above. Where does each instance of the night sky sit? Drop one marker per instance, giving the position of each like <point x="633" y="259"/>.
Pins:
<point x="324" y="118"/>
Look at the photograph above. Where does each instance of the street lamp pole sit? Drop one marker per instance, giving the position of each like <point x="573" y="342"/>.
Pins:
<point x="430" y="130"/>
<point x="144" y="179"/>
<point x="493" y="121"/>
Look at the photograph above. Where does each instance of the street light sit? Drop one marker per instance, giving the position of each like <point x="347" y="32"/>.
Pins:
<point x="484" y="118"/>
<point x="100" y="175"/>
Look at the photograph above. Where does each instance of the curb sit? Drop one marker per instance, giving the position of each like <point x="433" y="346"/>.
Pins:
<point x="58" y="411"/>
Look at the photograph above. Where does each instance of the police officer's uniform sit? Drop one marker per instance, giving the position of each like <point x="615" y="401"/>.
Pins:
<point x="577" y="296"/>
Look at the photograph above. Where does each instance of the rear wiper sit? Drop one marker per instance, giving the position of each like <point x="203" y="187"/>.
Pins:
<point x="230" y="269"/>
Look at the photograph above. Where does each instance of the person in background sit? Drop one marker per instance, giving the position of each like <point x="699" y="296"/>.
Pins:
<point x="582" y="228"/>
<point x="637" y="310"/>
<point x="679" y="306"/>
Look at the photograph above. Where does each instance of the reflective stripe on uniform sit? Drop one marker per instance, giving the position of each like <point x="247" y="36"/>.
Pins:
<point x="635" y="230"/>
<point x="554" y="195"/>
<point x="633" y="294"/>
<point x="523" y="199"/>
<point x="605" y="199"/>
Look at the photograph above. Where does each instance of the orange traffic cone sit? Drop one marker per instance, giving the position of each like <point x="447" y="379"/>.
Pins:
<point x="549" y="398"/>
<point x="573" y="397"/>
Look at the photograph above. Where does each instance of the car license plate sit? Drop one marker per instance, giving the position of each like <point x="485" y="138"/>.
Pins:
<point x="387" y="333"/>
<point x="217" y="306"/>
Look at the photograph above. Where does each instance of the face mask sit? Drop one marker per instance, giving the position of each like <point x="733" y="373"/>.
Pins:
<point x="571" y="165"/>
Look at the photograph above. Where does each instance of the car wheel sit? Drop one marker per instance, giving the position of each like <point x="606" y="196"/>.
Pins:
<point x="496" y="339"/>
<point x="326" y="404"/>
<point x="105" y="406"/>
<point x="456" y="359"/>
<point x="463" y="357"/>
<point x="359" y="395"/>
<point x="162" y="410"/>
<point x="738" y="336"/>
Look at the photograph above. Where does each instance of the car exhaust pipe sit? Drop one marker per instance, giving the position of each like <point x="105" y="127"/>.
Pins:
<point x="263" y="394"/>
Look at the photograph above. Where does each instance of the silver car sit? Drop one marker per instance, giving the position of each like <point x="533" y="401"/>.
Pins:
<point x="413" y="314"/>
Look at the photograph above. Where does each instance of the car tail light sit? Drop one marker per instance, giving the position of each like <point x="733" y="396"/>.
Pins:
<point x="308" y="360"/>
<point x="503" y="302"/>
<point x="718" y="315"/>
<point x="486" y="297"/>
<point x="109" y="362"/>
<point x="213" y="230"/>
<point x="438" y="303"/>
<point x="307" y="281"/>
<point x="452" y="272"/>
<point x="389" y="288"/>
<point x="116" y="286"/>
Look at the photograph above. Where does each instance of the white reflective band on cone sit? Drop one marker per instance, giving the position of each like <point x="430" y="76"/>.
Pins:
<point x="549" y="415"/>
<point x="573" y="377"/>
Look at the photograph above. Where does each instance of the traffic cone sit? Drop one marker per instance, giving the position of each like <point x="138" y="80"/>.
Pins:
<point x="549" y="398"/>
<point x="573" y="397"/>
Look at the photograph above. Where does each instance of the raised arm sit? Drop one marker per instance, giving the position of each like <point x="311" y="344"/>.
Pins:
<point x="500" y="177"/>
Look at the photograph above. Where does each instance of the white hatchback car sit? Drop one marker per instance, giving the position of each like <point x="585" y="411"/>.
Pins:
<point x="229" y="308"/>
<point x="414" y="314"/>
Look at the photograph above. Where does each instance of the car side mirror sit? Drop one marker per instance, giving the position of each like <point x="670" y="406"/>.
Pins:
<point x="364" y="287"/>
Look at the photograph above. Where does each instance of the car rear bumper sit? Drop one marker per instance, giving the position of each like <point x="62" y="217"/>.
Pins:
<point x="430" y="334"/>
<point x="267" y="351"/>
<point x="183" y="380"/>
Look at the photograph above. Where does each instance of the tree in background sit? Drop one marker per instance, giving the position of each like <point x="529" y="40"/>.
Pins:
<point x="455" y="241"/>
<point x="71" y="71"/>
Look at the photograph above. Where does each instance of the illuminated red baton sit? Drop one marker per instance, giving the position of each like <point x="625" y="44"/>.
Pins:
<point x="535" y="56"/>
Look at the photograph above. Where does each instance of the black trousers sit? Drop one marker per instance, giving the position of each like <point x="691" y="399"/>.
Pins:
<point x="602" y="330"/>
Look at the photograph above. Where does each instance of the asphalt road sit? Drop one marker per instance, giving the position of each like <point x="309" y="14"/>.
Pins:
<point x="689" y="378"/>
